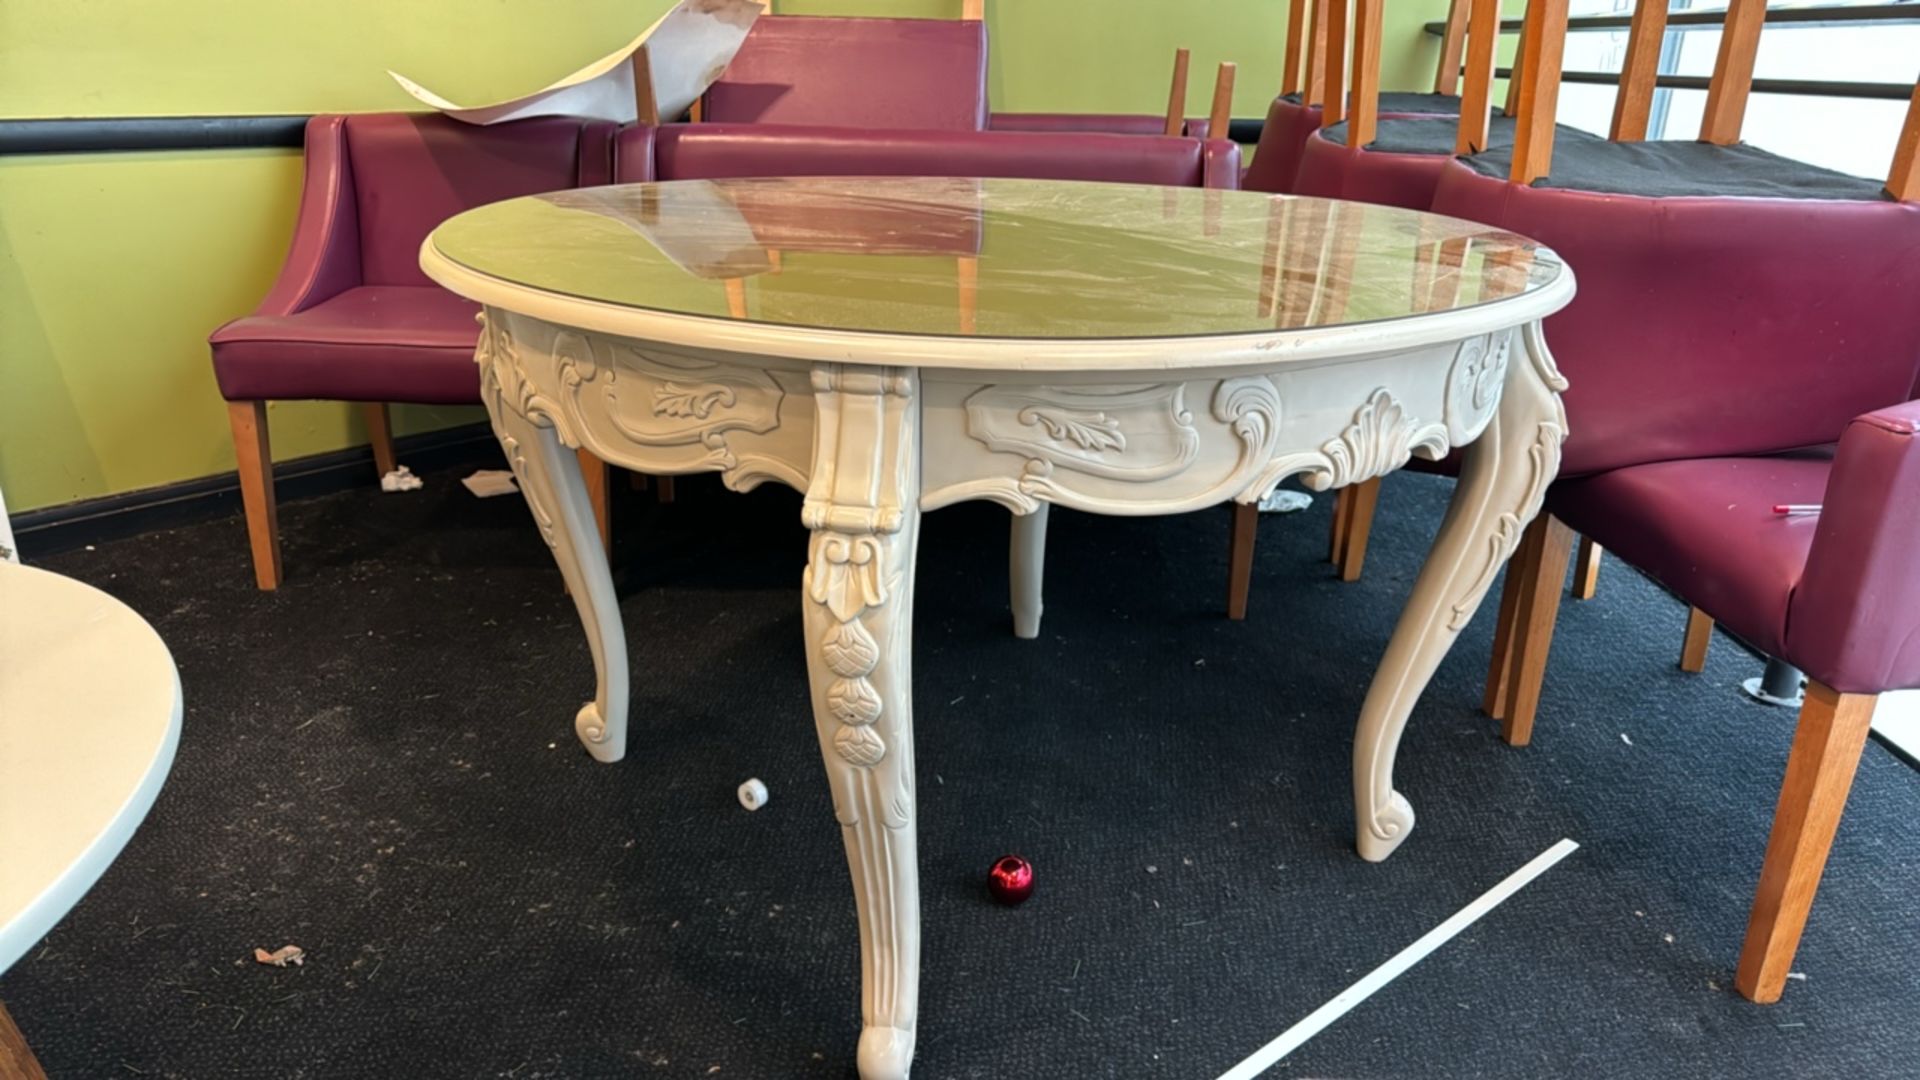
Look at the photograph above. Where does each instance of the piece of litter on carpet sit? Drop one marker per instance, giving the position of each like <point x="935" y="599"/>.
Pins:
<point x="1285" y="501"/>
<point x="486" y="483"/>
<point x="1624" y="739"/>
<point x="282" y="956"/>
<point x="401" y="479"/>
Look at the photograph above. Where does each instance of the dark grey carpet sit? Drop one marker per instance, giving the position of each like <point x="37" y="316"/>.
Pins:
<point x="378" y="765"/>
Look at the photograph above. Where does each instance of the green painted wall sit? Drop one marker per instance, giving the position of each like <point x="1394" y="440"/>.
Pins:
<point x="113" y="268"/>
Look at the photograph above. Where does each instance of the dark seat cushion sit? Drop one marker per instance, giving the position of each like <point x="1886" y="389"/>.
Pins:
<point x="1706" y="529"/>
<point x="1437" y="134"/>
<point x="1409" y="103"/>
<point x="1402" y="166"/>
<point x="1670" y="169"/>
<point x="370" y="343"/>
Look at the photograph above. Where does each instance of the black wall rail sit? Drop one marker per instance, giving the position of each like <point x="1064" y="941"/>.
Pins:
<point x="136" y="133"/>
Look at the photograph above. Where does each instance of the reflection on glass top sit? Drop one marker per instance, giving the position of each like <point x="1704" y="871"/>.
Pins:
<point x="994" y="258"/>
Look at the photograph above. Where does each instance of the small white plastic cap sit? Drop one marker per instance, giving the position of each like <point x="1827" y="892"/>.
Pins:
<point x="753" y="794"/>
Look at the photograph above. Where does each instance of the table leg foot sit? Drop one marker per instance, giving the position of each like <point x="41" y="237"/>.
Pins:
<point x="1381" y="835"/>
<point x="1026" y="563"/>
<point x="885" y="1053"/>
<point x="550" y="478"/>
<point x="1503" y="482"/>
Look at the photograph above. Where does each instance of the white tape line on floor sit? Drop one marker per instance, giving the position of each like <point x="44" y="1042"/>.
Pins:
<point x="1318" y="1021"/>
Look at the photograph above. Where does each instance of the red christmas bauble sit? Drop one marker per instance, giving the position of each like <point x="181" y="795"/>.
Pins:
<point x="1011" y="879"/>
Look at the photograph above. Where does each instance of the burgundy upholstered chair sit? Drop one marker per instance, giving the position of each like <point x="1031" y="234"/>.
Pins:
<point x="1299" y="111"/>
<point x="351" y="317"/>
<point x="1744" y="335"/>
<point x="857" y="72"/>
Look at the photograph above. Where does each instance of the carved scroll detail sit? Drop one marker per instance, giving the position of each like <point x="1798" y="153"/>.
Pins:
<point x="1381" y="439"/>
<point x="1138" y="434"/>
<point x="1473" y="383"/>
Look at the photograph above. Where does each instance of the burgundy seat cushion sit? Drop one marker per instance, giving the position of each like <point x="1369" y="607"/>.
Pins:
<point x="370" y="343"/>
<point x="717" y="151"/>
<point x="1713" y="326"/>
<point x="1706" y="529"/>
<point x="856" y="72"/>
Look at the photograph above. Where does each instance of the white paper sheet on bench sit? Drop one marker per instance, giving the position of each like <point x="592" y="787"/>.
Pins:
<point x="688" y="48"/>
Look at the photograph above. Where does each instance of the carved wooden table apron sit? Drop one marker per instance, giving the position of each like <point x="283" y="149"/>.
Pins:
<point x="1209" y="346"/>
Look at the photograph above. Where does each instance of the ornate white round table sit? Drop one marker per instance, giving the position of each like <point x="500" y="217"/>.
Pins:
<point x="893" y="346"/>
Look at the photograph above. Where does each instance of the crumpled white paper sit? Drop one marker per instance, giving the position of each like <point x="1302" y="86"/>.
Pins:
<point x="688" y="49"/>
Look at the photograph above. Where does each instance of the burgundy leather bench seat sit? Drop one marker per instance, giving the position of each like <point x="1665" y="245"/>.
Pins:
<point x="717" y="151"/>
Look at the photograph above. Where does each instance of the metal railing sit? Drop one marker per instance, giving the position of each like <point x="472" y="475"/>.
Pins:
<point x="1899" y="12"/>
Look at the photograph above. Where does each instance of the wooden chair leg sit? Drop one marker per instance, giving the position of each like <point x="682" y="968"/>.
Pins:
<point x="1586" y="569"/>
<point x="1246" y="528"/>
<point x="1500" y="670"/>
<point x="1693" y="650"/>
<point x="1366" y="497"/>
<point x="1337" y="536"/>
<point x="599" y="492"/>
<point x="255" y="462"/>
<point x="1533" y="616"/>
<point x="16" y="1059"/>
<point x="636" y="481"/>
<point x="1826" y="749"/>
<point x="380" y="434"/>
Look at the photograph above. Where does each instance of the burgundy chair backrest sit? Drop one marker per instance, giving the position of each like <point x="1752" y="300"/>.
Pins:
<point x="1706" y="327"/>
<point x="1283" y="139"/>
<point x="411" y="171"/>
<point x="855" y="72"/>
<point x="718" y="151"/>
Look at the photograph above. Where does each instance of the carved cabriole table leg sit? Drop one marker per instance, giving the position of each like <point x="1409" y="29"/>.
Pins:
<point x="548" y="469"/>
<point x="1503" y="480"/>
<point x="863" y="507"/>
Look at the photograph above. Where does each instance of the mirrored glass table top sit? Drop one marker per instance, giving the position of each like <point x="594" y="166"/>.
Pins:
<point x="993" y="258"/>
